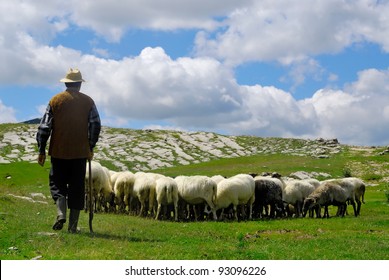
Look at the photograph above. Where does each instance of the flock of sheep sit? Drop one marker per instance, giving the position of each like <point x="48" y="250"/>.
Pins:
<point x="243" y="196"/>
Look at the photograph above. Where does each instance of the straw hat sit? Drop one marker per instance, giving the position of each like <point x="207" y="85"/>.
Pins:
<point x="72" y="76"/>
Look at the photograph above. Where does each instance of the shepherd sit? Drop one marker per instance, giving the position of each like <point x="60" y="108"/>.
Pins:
<point x="72" y="123"/>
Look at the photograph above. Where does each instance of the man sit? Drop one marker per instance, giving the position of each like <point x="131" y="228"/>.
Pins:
<point x="73" y="123"/>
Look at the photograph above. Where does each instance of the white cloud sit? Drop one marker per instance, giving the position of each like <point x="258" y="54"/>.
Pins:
<point x="287" y="30"/>
<point x="113" y="18"/>
<point x="154" y="86"/>
<point x="40" y="19"/>
<point x="7" y="114"/>
<point x="270" y="111"/>
<point x="358" y="114"/>
<point x="201" y="92"/>
<point x="29" y="62"/>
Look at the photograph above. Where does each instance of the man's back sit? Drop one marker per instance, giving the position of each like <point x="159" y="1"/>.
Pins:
<point x="69" y="139"/>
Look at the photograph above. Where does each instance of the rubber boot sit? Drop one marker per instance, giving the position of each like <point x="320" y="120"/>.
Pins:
<point x="73" y="220"/>
<point x="61" y="213"/>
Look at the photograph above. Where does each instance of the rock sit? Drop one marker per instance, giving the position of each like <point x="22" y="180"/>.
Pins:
<point x="300" y="175"/>
<point x="144" y="150"/>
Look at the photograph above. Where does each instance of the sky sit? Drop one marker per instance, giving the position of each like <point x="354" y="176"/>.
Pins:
<point x="269" y="68"/>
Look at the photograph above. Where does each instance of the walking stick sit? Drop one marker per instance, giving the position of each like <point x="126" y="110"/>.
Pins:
<point x="90" y="197"/>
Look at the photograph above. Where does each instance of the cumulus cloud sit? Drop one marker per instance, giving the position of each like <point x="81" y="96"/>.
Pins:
<point x="358" y="113"/>
<point x="201" y="92"/>
<point x="154" y="86"/>
<point x="7" y="114"/>
<point x="113" y="18"/>
<point x="286" y="31"/>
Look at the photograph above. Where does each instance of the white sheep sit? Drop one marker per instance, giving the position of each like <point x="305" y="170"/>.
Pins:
<point x="102" y="189"/>
<point x="360" y="188"/>
<point x="123" y="189"/>
<point x="314" y="182"/>
<point x="236" y="190"/>
<point x="295" y="192"/>
<point x="144" y="191"/>
<point x="197" y="189"/>
<point x="166" y="191"/>
<point x="217" y="178"/>
<point x="113" y="175"/>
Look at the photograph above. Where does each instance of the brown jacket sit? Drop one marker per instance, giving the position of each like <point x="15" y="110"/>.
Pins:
<point x="69" y="138"/>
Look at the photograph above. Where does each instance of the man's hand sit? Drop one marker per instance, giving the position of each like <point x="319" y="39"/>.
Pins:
<point x="90" y="157"/>
<point x="41" y="160"/>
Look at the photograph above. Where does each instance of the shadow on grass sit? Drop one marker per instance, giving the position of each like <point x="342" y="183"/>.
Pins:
<point x="109" y="236"/>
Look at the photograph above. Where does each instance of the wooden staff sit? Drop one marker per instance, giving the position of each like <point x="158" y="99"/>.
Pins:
<point x="90" y="197"/>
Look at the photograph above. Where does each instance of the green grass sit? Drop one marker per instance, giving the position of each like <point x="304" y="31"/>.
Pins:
<point x="283" y="164"/>
<point x="25" y="227"/>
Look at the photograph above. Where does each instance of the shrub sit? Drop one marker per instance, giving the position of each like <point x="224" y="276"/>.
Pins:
<point x="347" y="172"/>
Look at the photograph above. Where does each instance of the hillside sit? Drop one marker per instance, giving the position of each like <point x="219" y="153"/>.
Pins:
<point x="26" y="200"/>
<point x="143" y="150"/>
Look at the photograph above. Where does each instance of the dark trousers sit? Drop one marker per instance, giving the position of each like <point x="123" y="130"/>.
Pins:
<point x="67" y="179"/>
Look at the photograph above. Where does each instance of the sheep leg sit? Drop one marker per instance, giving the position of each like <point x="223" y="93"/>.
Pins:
<point x="235" y="212"/>
<point x="176" y="211"/>
<point x="311" y="213"/>
<point x="251" y="212"/>
<point x="158" y="211"/>
<point x="318" y="211"/>
<point x="151" y="207"/>
<point x="359" y="204"/>
<point x="188" y="212"/>
<point x="326" y="214"/>
<point x="298" y="209"/>
<point x="221" y="215"/>
<point x="354" y="208"/>
<point x="342" y="209"/>
<point x="272" y="213"/>
<point x="126" y="203"/>
<point x="142" y="207"/>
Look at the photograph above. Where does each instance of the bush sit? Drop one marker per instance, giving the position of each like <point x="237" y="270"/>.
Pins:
<point x="347" y="172"/>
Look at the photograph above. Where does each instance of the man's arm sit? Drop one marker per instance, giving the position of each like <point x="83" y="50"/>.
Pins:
<point x="94" y="127"/>
<point x="44" y="131"/>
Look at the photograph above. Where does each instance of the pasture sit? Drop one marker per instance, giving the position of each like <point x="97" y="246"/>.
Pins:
<point x="26" y="220"/>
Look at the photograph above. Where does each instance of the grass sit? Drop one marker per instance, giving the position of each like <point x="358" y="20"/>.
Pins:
<point x="283" y="164"/>
<point x="25" y="227"/>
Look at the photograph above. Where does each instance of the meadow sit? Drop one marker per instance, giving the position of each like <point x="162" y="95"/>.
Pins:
<point x="26" y="220"/>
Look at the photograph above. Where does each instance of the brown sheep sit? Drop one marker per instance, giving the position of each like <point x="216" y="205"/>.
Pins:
<point x="328" y="193"/>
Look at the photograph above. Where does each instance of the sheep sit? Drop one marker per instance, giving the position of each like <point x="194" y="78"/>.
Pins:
<point x="123" y="189"/>
<point x="166" y="193"/>
<point x="144" y="191"/>
<point x="267" y="192"/>
<point x="295" y="192"/>
<point x="360" y="189"/>
<point x="348" y="186"/>
<point x="197" y="189"/>
<point x="107" y="194"/>
<point x="236" y="190"/>
<point x="355" y="188"/>
<point x="102" y="189"/>
<point x="217" y="178"/>
<point x="328" y="193"/>
<point x="113" y="175"/>
<point x="314" y="182"/>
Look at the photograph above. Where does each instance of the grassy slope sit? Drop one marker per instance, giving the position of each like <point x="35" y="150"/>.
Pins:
<point x="24" y="225"/>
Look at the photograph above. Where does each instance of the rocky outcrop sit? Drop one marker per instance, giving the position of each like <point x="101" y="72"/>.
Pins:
<point x="142" y="150"/>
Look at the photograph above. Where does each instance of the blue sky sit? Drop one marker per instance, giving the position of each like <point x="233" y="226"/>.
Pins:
<point x="296" y="68"/>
